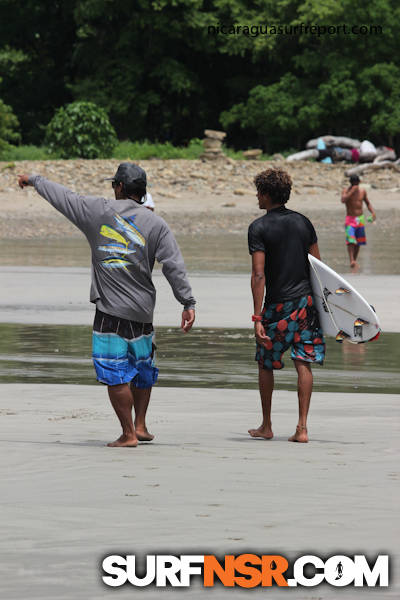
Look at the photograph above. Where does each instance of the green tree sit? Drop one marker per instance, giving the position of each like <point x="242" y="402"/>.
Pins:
<point x="36" y="47"/>
<point x="381" y="96"/>
<point x="334" y="84"/>
<point x="81" y="129"/>
<point x="8" y="127"/>
<point x="159" y="74"/>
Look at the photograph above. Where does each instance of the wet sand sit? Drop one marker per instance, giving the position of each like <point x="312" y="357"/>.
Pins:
<point x="203" y="485"/>
<point x="60" y="295"/>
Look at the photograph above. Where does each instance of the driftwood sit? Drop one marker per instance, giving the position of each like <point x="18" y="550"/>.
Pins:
<point x="334" y="140"/>
<point x="303" y="155"/>
<point x="388" y="164"/>
<point x="386" y="155"/>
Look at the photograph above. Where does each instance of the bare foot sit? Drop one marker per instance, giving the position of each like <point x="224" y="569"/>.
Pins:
<point x="125" y="441"/>
<point x="354" y="266"/>
<point x="262" y="432"/>
<point x="300" y="435"/>
<point x="143" y="435"/>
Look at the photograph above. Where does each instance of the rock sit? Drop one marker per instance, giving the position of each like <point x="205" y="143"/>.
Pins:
<point x="212" y="144"/>
<point x="198" y="176"/>
<point x="252" y="154"/>
<point x="215" y="135"/>
<point x="166" y="194"/>
<point x="239" y="192"/>
<point x="210" y="153"/>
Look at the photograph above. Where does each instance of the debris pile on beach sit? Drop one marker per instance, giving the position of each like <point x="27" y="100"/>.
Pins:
<point x="333" y="149"/>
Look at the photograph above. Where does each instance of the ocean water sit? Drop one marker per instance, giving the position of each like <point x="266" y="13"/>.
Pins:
<point x="220" y="358"/>
<point x="226" y="252"/>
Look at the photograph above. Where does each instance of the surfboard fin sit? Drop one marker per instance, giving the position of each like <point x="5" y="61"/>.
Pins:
<point x="358" y="325"/>
<point x="342" y="335"/>
<point x="327" y="293"/>
<point x="359" y="322"/>
<point x="340" y="291"/>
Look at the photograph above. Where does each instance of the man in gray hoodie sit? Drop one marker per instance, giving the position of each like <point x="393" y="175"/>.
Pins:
<point x="125" y="239"/>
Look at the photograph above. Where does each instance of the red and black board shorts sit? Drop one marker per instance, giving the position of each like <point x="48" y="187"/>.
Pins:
<point x="294" y="324"/>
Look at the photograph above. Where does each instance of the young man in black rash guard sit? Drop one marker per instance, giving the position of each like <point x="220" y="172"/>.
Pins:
<point x="279" y="243"/>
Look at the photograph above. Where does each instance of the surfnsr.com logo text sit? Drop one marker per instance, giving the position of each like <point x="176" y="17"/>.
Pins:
<point x="245" y="570"/>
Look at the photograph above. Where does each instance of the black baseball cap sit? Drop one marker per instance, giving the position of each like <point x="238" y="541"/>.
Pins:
<point x="129" y="173"/>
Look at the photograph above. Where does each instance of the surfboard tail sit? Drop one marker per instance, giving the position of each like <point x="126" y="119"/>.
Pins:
<point x="375" y="337"/>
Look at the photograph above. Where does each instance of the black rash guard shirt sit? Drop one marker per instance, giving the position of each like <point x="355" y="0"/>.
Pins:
<point x="285" y="236"/>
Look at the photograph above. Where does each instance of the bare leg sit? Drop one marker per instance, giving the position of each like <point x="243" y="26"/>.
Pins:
<point x="351" y="250"/>
<point x="356" y="251"/>
<point x="266" y="385"/>
<point x="141" y="399"/>
<point x="304" y="390"/>
<point x="122" y="401"/>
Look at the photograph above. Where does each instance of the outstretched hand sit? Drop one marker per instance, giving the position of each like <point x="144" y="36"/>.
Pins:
<point x="188" y="317"/>
<point x="23" y="180"/>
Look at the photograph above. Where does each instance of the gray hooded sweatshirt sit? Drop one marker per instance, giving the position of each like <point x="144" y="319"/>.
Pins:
<point x="125" y="239"/>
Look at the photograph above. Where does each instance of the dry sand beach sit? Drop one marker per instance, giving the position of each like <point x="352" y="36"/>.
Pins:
<point x="203" y="485"/>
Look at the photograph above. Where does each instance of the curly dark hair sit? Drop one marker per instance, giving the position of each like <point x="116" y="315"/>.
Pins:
<point x="276" y="183"/>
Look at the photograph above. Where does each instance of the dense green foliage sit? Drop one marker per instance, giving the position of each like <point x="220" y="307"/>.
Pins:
<point x="145" y="150"/>
<point x="8" y="128"/>
<point x="81" y="130"/>
<point x="159" y="74"/>
<point x="27" y="152"/>
<point x="124" y="151"/>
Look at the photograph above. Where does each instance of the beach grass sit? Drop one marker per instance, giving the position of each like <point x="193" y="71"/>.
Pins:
<point x="129" y="150"/>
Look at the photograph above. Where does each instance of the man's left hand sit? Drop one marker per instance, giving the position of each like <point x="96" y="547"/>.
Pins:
<point x="188" y="317"/>
<point x="23" y="180"/>
<point x="260" y="335"/>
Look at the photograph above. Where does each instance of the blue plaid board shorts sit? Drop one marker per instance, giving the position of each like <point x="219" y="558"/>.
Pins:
<point x="123" y="351"/>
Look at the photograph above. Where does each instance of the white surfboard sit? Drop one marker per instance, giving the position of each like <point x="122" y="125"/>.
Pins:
<point x="343" y="312"/>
